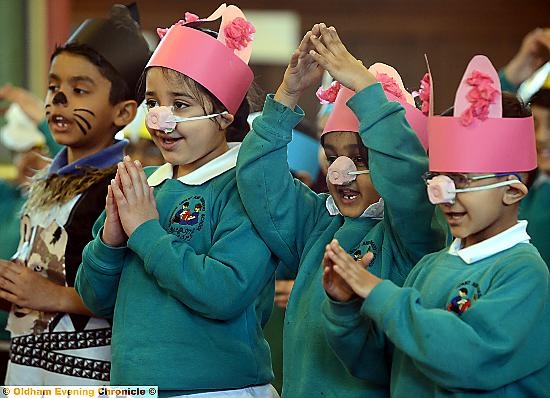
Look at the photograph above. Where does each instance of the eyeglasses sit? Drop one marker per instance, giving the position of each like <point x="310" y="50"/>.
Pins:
<point x="461" y="180"/>
<point x="442" y="188"/>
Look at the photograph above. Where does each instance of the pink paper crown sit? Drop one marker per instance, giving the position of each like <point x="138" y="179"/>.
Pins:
<point x="395" y="91"/>
<point x="342" y="117"/>
<point x="477" y="139"/>
<point x="219" y="64"/>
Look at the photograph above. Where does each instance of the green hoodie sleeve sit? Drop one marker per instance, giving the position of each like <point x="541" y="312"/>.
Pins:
<point x="221" y="283"/>
<point x="98" y="276"/>
<point x="397" y="161"/>
<point x="497" y="341"/>
<point x="358" y="343"/>
<point x="283" y="210"/>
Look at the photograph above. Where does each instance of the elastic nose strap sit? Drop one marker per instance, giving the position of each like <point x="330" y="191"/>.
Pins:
<point x="490" y="186"/>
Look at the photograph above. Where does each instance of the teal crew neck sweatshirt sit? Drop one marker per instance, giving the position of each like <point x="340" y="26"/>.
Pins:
<point x="187" y="294"/>
<point x="295" y="224"/>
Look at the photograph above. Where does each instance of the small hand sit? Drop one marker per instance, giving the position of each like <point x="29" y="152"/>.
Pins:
<point x="332" y="55"/>
<point x="301" y="72"/>
<point x="334" y="285"/>
<point x="282" y="292"/>
<point x="533" y="53"/>
<point x="29" y="289"/>
<point x="29" y="103"/>
<point x="134" y="197"/>
<point x="113" y="232"/>
<point x="354" y="273"/>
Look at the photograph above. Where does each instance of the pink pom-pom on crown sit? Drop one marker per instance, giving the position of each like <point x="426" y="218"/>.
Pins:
<point x="424" y="94"/>
<point x="481" y="95"/>
<point x="238" y="33"/>
<point x="328" y="96"/>
<point x="389" y="85"/>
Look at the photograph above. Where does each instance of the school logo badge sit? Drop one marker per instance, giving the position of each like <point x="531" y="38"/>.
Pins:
<point x="364" y="248"/>
<point x="188" y="217"/>
<point x="465" y="294"/>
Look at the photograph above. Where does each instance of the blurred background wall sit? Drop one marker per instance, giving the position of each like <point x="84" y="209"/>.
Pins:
<point x="397" y="32"/>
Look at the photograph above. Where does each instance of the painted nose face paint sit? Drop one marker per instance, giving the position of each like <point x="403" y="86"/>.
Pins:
<point x="343" y="171"/>
<point x="162" y="118"/>
<point x="59" y="99"/>
<point x="441" y="188"/>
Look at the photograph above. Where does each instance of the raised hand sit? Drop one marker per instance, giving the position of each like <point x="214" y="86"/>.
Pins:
<point x="533" y="53"/>
<point x="331" y="54"/>
<point x="302" y="72"/>
<point x="113" y="232"/>
<point x="134" y="197"/>
<point x="352" y="272"/>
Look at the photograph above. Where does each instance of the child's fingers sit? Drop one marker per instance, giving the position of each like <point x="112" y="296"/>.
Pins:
<point x="120" y="199"/>
<point x="293" y="62"/>
<point x="316" y="29"/>
<point x="305" y="43"/>
<point x="366" y="259"/>
<point x="134" y="172"/>
<point x="142" y="178"/>
<point x="319" y="47"/>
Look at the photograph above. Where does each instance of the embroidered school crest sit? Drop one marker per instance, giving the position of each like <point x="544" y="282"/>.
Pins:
<point x="465" y="295"/>
<point x="187" y="217"/>
<point x="364" y="248"/>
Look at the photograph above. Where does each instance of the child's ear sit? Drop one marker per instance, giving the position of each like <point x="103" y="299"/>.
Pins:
<point x="514" y="193"/>
<point x="225" y="120"/>
<point x="124" y="112"/>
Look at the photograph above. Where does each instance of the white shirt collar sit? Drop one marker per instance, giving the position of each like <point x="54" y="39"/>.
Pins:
<point x="375" y="210"/>
<point x="496" y="244"/>
<point x="206" y="172"/>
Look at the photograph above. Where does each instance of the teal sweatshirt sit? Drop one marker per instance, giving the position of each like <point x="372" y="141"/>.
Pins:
<point x="294" y="221"/>
<point x="494" y="344"/>
<point x="187" y="294"/>
<point x="535" y="208"/>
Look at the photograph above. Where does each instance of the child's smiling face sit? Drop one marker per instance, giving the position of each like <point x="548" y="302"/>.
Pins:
<point x="352" y="199"/>
<point x="77" y="105"/>
<point x="192" y="143"/>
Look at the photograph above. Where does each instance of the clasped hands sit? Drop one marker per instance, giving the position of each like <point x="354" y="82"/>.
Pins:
<point x="130" y="202"/>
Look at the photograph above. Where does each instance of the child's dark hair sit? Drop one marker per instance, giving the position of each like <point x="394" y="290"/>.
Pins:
<point x="119" y="88"/>
<point x="541" y="98"/>
<point x="238" y="129"/>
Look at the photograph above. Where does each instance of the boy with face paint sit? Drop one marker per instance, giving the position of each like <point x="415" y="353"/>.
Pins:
<point x="482" y="303"/>
<point x="55" y="340"/>
<point x="374" y="154"/>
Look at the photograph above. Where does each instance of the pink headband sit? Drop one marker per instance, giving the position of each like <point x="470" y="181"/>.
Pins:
<point x="220" y="65"/>
<point x="477" y="138"/>
<point x="342" y="117"/>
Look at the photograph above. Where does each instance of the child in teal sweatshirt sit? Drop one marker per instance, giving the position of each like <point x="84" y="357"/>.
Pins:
<point x="473" y="319"/>
<point x="175" y="260"/>
<point x="384" y="212"/>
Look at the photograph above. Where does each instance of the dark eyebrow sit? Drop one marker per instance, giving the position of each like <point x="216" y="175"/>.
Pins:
<point x="74" y="79"/>
<point x="78" y="79"/>
<point x="173" y="93"/>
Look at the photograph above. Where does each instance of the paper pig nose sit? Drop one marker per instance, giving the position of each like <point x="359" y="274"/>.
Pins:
<point x="161" y="118"/>
<point x="339" y="171"/>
